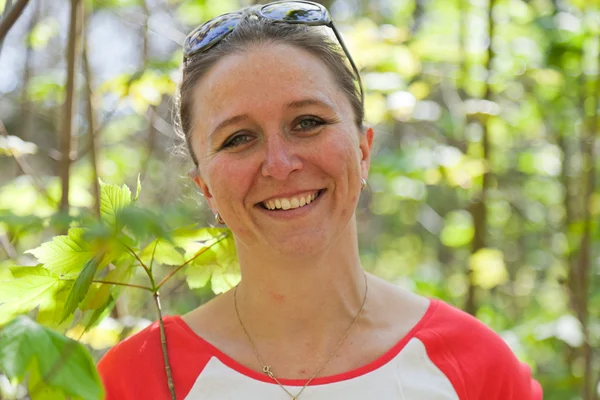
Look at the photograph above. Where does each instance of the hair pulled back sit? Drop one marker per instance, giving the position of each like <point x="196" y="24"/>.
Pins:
<point x="256" y="31"/>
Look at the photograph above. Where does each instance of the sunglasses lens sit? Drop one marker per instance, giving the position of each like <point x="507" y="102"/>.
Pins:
<point x="210" y="32"/>
<point x="293" y="11"/>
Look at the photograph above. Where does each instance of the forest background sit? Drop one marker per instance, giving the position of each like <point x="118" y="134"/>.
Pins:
<point x="484" y="190"/>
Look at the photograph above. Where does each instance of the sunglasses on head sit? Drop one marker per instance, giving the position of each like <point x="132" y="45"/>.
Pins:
<point x="212" y="32"/>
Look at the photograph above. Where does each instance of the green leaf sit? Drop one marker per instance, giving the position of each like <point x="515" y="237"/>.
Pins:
<point x="99" y="293"/>
<point x="50" y="314"/>
<point x="68" y="254"/>
<point x="162" y="252"/>
<point x="81" y="285"/>
<point x="113" y="200"/>
<point x="215" y="261"/>
<point x="30" y="288"/>
<point x="143" y="223"/>
<point x="92" y="319"/>
<point x="65" y="254"/>
<point x="37" y="389"/>
<point x="55" y="361"/>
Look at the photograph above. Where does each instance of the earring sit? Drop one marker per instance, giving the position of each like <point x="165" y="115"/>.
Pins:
<point x="363" y="183"/>
<point x="219" y="219"/>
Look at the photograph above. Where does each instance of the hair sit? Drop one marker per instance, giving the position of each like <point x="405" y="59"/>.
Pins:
<point x="252" y="32"/>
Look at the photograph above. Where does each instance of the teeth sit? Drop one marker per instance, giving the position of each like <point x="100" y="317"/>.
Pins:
<point x="290" y="203"/>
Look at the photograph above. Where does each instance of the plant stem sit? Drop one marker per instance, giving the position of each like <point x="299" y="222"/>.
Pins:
<point x="163" y="343"/>
<point x="133" y="253"/>
<point x="114" y="283"/>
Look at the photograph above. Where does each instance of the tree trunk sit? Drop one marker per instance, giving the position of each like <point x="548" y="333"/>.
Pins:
<point x="91" y="118"/>
<point x="69" y="105"/>
<point x="478" y="207"/>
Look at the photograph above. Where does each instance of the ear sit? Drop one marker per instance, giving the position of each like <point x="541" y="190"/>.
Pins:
<point x="366" y="145"/>
<point x="195" y="176"/>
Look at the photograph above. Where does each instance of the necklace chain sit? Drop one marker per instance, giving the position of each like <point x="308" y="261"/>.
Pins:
<point x="267" y="368"/>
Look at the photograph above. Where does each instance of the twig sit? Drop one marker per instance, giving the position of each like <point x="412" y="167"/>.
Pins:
<point x="11" y="17"/>
<point x="166" y="278"/>
<point x="114" y="283"/>
<point x="133" y="253"/>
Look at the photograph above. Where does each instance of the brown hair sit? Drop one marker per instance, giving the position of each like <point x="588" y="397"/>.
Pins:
<point x="251" y="32"/>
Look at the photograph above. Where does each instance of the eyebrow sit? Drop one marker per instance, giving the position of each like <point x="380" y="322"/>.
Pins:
<point x="294" y="104"/>
<point x="308" y="102"/>
<point x="230" y="121"/>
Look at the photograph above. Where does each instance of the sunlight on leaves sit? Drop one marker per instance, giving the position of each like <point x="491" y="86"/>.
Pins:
<point x="65" y="254"/>
<point x="29" y="287"/>
<point x="113" y="199"/>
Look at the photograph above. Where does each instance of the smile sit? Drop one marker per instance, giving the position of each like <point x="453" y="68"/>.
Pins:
<point x="290" y="203"/>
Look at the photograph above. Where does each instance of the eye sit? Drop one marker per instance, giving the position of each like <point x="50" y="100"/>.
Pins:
<point x="236" y="140"/>
<point x="306" y="124"/>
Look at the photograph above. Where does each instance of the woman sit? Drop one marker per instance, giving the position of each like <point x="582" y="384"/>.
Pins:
<point x="274" y="123"/>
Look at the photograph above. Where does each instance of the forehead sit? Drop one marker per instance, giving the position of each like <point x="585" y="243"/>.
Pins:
<point x="262" y="77"/>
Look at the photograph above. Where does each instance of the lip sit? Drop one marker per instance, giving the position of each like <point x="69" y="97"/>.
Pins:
<point x="292" y="213"/>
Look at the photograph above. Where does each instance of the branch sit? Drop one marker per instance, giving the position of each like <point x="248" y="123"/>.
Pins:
<point x="113" y="283"/>
<point x="11" y="18"/>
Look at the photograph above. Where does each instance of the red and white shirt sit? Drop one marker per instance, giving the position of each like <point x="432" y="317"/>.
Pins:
<point x="448" y="355"/>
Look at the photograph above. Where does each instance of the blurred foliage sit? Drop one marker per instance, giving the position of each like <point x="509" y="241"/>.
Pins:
<point x="458" y="115"/>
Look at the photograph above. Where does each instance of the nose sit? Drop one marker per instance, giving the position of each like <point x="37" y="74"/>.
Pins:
<point x="281" y="158"/>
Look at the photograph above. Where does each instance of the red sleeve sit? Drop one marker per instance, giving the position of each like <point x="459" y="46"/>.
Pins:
<point x="477" y="361"/>
<point x="135" y="369"/>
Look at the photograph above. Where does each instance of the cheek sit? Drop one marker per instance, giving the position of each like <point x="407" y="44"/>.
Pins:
<point x="341" y="154"/>
<point x="227" y="181"/>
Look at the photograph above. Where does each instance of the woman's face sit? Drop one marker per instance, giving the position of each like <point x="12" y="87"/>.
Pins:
<point x="280" y="157"/>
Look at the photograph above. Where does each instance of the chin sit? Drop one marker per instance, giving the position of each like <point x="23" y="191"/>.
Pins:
<point x="301" y="246"/>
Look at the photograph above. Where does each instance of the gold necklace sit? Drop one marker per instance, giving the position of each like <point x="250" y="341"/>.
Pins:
<point x="267" y="368"/>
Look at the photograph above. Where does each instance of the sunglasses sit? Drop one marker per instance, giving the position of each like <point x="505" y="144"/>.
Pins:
<point x="212" y="32"/>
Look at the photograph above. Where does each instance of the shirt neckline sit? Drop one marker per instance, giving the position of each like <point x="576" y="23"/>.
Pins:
<point x="354" y="373"/>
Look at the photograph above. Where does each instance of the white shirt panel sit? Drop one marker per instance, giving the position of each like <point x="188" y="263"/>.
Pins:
<point x="411" y="375"/>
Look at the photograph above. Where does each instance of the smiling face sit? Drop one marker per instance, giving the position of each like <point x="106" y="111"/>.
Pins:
<point x="280" y="157"/>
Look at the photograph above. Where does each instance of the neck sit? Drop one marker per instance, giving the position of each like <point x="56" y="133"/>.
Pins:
<point x="313" y="297"/>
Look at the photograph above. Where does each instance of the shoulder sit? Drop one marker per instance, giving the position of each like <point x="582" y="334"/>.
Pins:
<point x="136" y="366"/>
<point x="476" y="359"/>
